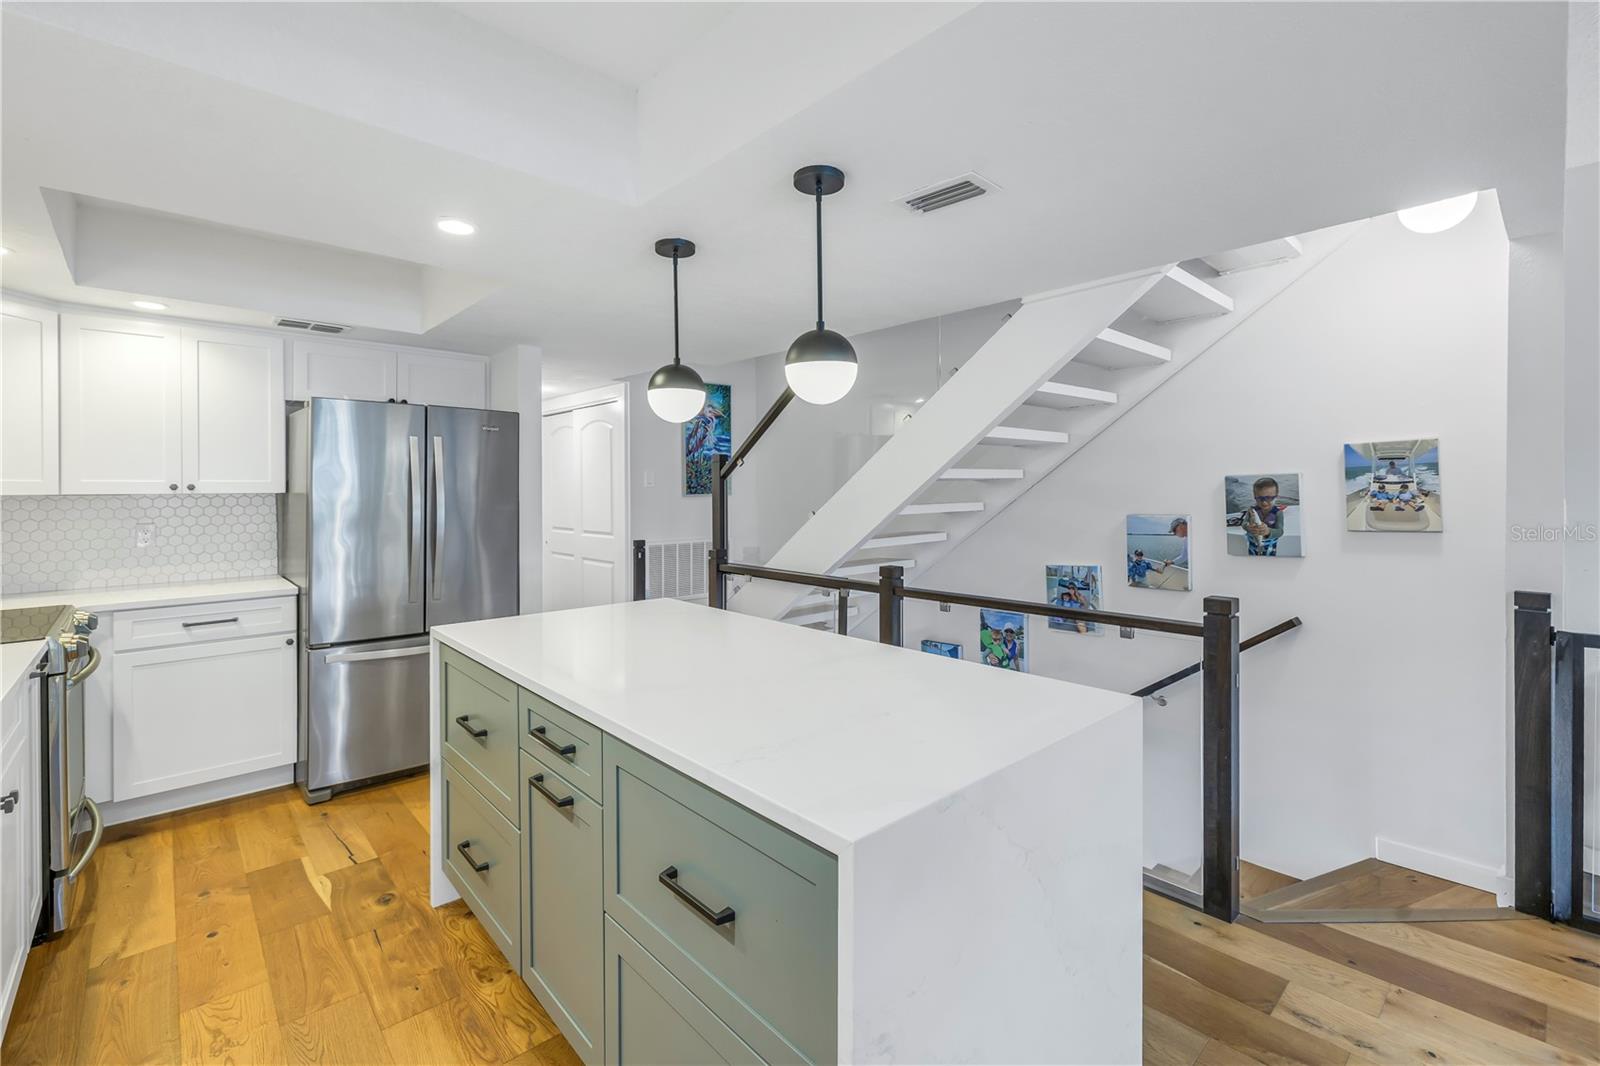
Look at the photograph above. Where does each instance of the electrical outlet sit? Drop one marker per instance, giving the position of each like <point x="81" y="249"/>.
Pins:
<point x="144" y="534"/>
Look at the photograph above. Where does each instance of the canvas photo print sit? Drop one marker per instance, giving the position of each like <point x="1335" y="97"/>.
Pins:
<point x="706" y="436"/>
<point x="1392" y="486"/>
<point x="1263" y="514"/>
<point x="1158" y="552"/>
<point x="1002" y="639"/>
<point x="1075" y="586"/>
<point x="942" y="647"/>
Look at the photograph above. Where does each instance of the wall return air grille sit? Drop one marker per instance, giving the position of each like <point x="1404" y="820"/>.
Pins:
<point x="676" y="570"/>
<point x="948" y="193"/>
<point x="307" y="324"/>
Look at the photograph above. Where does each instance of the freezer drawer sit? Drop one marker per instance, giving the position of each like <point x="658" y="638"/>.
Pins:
<point x="367" y="711"/>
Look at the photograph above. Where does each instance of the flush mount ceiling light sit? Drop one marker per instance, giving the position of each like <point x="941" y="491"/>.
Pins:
<point x="676" y="392"/>
<point x="821" y="364"/>
<point x="149" y="305"/>
<point x="1439" y="215"/>
<point x="457" y="227"/>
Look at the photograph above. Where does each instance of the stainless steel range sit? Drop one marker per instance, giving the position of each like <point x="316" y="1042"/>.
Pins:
<point x="70" y="820"/>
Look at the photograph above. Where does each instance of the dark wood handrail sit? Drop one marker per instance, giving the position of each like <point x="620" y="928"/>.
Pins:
<point x="1244" y="645"/>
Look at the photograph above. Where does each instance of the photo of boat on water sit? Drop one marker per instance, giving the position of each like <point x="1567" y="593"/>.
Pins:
<point x="1158" y="552"/>
<point x="1392" y="486"/>
<point x="1263" y="515"/>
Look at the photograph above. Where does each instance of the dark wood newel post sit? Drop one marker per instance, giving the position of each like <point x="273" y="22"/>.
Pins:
<point x="1220" y="757"/>
<point x="639" y="591"/>
<point x="1531" y="734"/>
<point x="891" y="580"/>
<point x="716" y="580"/>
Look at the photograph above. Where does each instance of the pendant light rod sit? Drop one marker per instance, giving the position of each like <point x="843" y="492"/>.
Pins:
<point x="675" y="248"/>
<point x="819" y="252"/>
<point x="819" y="180"/>
<point x="675" y="358"/>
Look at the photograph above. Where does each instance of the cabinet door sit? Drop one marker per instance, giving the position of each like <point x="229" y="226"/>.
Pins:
<point x="653" y="1020"/>
<point x="562" y="919"/>
<point x="343" y="371"/>
<point x="121" y="406"/>
<point x="21" y="872"/>
<point x="443" y="380"/>
<point x="182" y="716"/>
<point x="30" y="402"/>
<point x="233" y="416"/>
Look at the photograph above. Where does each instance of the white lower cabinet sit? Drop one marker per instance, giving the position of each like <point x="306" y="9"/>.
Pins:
<point x="21" y="865"/>
<point x="193" y="713"/>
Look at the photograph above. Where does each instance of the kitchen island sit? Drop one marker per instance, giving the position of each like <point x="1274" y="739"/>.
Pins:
<point x="703" y="836"/>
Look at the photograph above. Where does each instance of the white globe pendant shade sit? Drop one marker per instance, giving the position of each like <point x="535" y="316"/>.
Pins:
<point x="1439" y="215"/>
<point x="820" y="366"/>
<point x="676" y="393"/>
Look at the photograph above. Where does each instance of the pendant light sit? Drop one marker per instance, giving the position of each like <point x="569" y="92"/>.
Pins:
<point x="676" y="392"/>
<point x="821" y="364"/>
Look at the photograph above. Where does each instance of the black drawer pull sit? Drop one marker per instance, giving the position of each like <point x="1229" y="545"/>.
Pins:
<point x="566" y="751"/>
<point x="669" y="877"/>
<point x="477" y="867"/>
<point x="537" y="783"/>
<point x="477" y="734"/>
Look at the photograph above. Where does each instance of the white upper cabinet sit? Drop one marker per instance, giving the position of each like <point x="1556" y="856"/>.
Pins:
<point x="343" y="371"/>
<point x="357" y="372"/>
<point x="445" y="380"/>
<point x="30" y="402"/>
<point x="233" y="416"/>
<point x="121" y="406"/>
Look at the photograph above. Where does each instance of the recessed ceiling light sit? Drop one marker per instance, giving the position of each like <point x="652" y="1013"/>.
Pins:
<point x="457" y="227"/>
<point x="1438" y="216"/>
<point x="149" y="305"/>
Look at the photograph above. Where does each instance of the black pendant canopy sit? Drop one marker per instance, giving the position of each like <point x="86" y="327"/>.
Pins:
<point x="676" y="392"/>
<point x="821" y="364"/>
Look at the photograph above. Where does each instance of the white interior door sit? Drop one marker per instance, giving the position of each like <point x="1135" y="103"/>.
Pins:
<point x="586" y="554"/>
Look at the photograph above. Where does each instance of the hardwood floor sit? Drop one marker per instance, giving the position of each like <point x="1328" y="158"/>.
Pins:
<point x="266" y="931"/>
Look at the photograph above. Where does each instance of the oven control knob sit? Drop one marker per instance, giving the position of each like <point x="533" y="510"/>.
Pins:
<point x="70" y="641"/>
<point x="84" y="622"/>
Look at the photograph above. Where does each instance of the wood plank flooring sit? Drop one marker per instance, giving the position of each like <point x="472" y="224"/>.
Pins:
<point x="266" y="931"/>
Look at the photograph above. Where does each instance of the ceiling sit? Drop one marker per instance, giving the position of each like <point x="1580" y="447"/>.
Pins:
<point x="1121" y="135"/>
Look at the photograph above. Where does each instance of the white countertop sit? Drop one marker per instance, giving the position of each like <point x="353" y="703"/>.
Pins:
<point x="128" y="599"/>
<point x="16" y="662"/>
<point x="833" y="738"/>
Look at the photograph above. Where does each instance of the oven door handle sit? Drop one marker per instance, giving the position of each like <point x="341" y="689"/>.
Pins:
<point x="94" y="838"/>
<point x="90" y="667"/>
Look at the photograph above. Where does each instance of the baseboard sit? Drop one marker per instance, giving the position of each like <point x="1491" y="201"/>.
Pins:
<point x="1461" y="871"/>
<point x="180" y="799"/>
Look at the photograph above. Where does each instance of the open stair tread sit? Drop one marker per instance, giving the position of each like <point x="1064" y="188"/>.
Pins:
<point x="1021" y="436"/>
<point x="899" y="540"/>
<point x="858" y="567"/>
<point x="913" y="510"/>
<point x="1179" y="295"/>
<point x="1113" y="349"/>
<point x="1254" y="255"/>
<point x="981" y="473"/>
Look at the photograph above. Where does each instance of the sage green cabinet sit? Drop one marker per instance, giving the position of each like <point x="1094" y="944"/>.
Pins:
<point x="480" y="727"/>
<point x="563" y="740"/>
<point x="653" y="1020"/>
<point x="562" y="920"/>
<point x="482" y="854"/>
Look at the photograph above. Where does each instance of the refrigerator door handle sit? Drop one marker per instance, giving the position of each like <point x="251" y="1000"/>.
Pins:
<point x="334" y="657"/>
<point x="438" y="508"/>
<point x="414" y="518"/>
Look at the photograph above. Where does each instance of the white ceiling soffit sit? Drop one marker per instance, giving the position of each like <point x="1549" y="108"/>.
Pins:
<point x="123" y="248"/>
<point x="1124" y="135"/>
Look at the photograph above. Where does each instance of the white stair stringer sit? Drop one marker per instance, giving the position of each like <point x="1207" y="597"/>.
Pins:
<point x="1024" y="353"/>
<point x="1251" y="290"/>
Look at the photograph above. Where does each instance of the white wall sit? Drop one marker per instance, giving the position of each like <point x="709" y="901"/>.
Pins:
<point x="1384" y="718"/>
<point x="514" y="385"/>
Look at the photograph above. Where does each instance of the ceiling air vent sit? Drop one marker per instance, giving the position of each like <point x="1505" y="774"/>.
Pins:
<point x="314" y="327"/>
<point x="948" y="193"/>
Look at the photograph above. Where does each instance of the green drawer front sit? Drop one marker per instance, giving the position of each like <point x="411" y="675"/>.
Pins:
<point x="567" y="743"/>
<point x="475" y="699"/>
<point x="651" y="1018"/>
<point x="771" y="973"/>
<point x="562" y="920"/>
<point x="492" y="893"/>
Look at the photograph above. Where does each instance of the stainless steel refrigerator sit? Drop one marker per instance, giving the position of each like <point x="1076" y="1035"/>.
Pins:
<point x="397" y="518"/>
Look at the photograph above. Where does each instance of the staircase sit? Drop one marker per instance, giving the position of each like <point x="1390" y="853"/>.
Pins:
<point x="1060" y="370"/>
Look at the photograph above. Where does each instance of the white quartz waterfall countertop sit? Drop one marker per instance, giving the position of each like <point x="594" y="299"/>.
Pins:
<point x="831" y="737"/>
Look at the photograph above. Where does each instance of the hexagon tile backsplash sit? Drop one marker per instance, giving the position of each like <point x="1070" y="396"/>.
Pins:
<point x="72" y="542"/>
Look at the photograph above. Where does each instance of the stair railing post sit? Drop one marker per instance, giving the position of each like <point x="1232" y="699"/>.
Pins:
<point x="639" y="591"/>
<point x="1532" y="688"/>
<point x="1220" y="757"/>
<point x="716" y="580"/>
<point x="891" y="582"/>
<point x="842" y="625"/>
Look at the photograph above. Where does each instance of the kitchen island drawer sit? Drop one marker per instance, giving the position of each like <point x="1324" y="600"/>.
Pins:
<point x="482" y="853"/>
<point x="564" y="741"/>
<point x="742" y="912"/>
<point x="651" y="1018"/>
<point x="201" y="623"/>
<point x="480" y="727"/>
